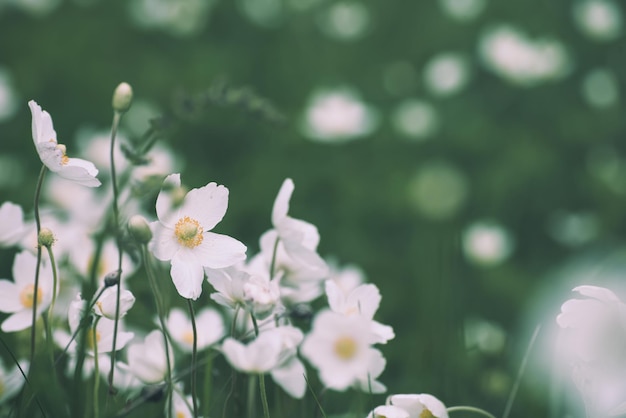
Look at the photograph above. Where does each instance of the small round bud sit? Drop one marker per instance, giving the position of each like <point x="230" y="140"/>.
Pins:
<point x="139" y="229"/>
<point x="112" y="279"/>
<point x="45" y="238"/>
<point x="122" y="97"/>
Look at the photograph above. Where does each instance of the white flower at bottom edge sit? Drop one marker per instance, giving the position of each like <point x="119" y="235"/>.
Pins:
<point x="340" y="348"/>
<point x="11" y="380"/>
<point x="147" y="360"/>
<point x="259" y="356"/>
<point x="182" y="235"/>
<point x="18" y="297"/>
<point x="52" y="154"/>
<point x="420" y="405"/>
<point x="388" y="411"/>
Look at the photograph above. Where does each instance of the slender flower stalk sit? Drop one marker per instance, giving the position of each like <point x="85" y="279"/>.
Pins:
<point x="96" y="383"/>
<point x="194" y="353"/>
<point x="160" y="312"/>
<point x="54" y="288"/>
<point x="464" y="408"/>
<point x="33" y="334"/>
<point x="266" y="411"/>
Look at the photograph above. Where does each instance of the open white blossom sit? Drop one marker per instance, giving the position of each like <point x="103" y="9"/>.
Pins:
<point x="259" y="356"/>
<point x="53" y="154"/>
<point x="147" y="360"/>
<point x="12" y="227"/>
<point x="209" y="324"/>
<point x="106" y="305"/>
<point x="182" y="235"/>
<point x="419" y="405"/>
<point x="18" y="297"/>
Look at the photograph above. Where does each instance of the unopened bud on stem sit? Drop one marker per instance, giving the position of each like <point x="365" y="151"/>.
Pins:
<point x="45" y="238"/>
<point x="139" y="229"/>
<point x="112" y="278"/>
<point x="122" y="97"/>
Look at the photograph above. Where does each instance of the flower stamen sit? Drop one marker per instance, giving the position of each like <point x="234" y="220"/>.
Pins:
<point x="27" y="296"/>
<point x="345" y="348"/>
<point x="188" y="231"/>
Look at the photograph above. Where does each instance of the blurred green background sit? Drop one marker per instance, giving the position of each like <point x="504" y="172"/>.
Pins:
<point x="457" y="151"/>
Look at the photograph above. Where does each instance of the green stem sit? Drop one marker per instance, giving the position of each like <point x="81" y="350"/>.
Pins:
<point x="266" y="409"/>
<point x="161" y="313"/>
<point x="464" y="408"/>
<point x="96" y="383"/>
<point x="118" y="239"/>
<point x="33" y="335"/>
<point x="206" y="398"/>
<point x="273" y="263"/>
<point x="54" y="287"/>
<point x="194" y="353"/>
<point x="251" y="396"/>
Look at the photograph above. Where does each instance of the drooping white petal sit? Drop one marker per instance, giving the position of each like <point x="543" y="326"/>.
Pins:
<point x="596" y="292"/>
<point x="12" y="227"/>
<point x="107" y="303"/>
<point x="187" y="278"/>
<point x="80" y="171"/>
<point x="43" y="131"/>
<point x="388" y="411"/>
<point x="281" y="204"/>
<point x="207" y="205"/>
<point x="291" y="377"/>
<point x="219" y="251"/>
<point x="18" y="321"/>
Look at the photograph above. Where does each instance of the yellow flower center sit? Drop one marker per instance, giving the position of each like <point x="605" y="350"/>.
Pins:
<point x="27" y="296"/>
<point x="426" y="414"/>
<point x="64" y="158"/>
<point x="1" y="387"/>
<point x="188" y="337"/>
<point x="180" y="414"/>
<point x="345" y="348"/>
<point x="189" y="232"/>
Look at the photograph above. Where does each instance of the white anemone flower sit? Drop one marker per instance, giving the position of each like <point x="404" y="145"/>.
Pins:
<point x="209" y="323"/>
<point x="182" y="235"/>
<point x="12" y="228"/>
<point x="363" y="301"/>
<point x="53" y="155"/>
<point x="289" y="373"/>
<point x="147" y="360"/>
<point x="18" y="297"/>
<point x="340" y="348"/>
<point x="419" y="405"/>
<point x="106" y="305"/>
<point x="11" y="380"/>
<point x="259" y="356"/>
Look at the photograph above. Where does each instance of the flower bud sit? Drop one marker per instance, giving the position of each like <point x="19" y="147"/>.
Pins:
<point x="122" y="97"/>
<point x="45" y="238"/>
<point x="107" y="304"/>
<point x="139" y="229"/>
<point x="112" y="278"/>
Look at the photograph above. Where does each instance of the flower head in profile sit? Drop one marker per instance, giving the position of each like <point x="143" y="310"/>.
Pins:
<point x="182" y="235"/>
<point x="53" y="154"/>
<point x="18" y="297"/>
<point x="147" y="360"/>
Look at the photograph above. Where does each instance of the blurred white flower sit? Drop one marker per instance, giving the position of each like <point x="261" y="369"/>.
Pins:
<point x="229" y="285"/>
<point x="446" y="73"/>
<point x="147" y="360"/>
<point x="601" y="20"/>
<point x="11" y="380"/>
<point x="53" y="155"/>
<point x="182" y="235"/>
<point x="415" y="119"/>
<point x="12" y="228"/>
<point x="177" y="17"/>
<point x="600" y="88"/>
<point x="419" y="405"/>
<point x="264" y="13"/>
<point x="340" y="347"/>
<point x="8" y="96"/>
<point x="18" y="297"/>
<point x="509" y="53"/>
<point x="337" y="116"/>
<point x="487" y="243"/>
<point x="346" y="278"/>
<point x="259" y="356"/>
<point x="463" y="10"/>
<point x="361" y="301"/>
<point x="345" y="20"/>
<point x="289" y="373"/>
<point x="209" y="323"/>
<point x="182" y="404"/>
<point x="438" y="190"/>
<point x="96" y="147"/>
<point x="388" y="411"/>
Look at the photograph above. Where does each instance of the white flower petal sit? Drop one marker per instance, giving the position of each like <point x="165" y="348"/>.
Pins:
<point x="164" y="201"/>
<point x="187" y="278"/>
<point x="164" y="244"/>
<point x="596" y="292"/>
<point x="43" y="131"/>
<point x="207" y="205"/>
<point x="9" y="297"/>
<point x="219" y="251"/>
<point x="291" y="377"/>
<point x="281" y="204"/>
<point x="18" y="321"/>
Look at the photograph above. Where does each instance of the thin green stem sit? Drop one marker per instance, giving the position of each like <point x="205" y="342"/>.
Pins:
<point x="96" y="383"/>
<point x="266" y="409"/>
<point x="317" y="401"/>
<point x="520" y="373"/>
<point x="33" y="335"/>
<point x="206" y="398"/>
<point x="273" y="263"/>
<point x="54" y="286"/>
<point x="194" y="353"/>
<point x="251" y="396"/>
<point x="161" y="314"/>
<point x="118" y="239"/>
<point x="473" y="409"/>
